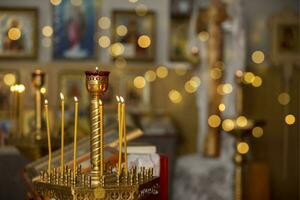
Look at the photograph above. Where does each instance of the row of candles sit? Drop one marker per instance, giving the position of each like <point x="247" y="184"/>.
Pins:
<point x="121" y="134"/>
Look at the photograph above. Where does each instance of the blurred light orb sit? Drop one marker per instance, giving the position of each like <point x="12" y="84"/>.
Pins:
<point x="290" y="119"/>
<point x="222" y="107"/>
<point x="43" y="90"/>
<point x="117" y="49"/>
<point x="76" y="2"/>
<point x="214" y="121"/>
<point x="242" y="121"/>
<point x="162" y="72"/>
<point x="55" y="2"/>
<point x="227" y="88"/>
<point x="194" y="50"/>
<point x="120" y="62"/>
<point x="195" y="81"/>
<point x="284" y="98"/>
<point x="249" y="77"/>
<point x="9" y="79"/>
<point x="14" y="33"/>
<point x="139" y="82"/>
<point x="47" y="31"/>
<point x="175" y="96"/>
<point x="141" y="10"/>
<point x="121" y="30"/>
<point x="239" y="73"/>
<point x="104" y="23"/>
<point x="133" y="1"/>
<point x="257" y="81"/>
<point x="257" y="132"/>
<point x="203" y="36"/>
<point x="150" y="75"/>
<point x="258" y="57"/>
<point x="144" y="41"/>
<point x="216" y="73"/>
<point x="180" y="70"/>
<point x="228" y="125"/>
<point x="242" y="147"/>
<point x="189" y="88"/>
<point x="104" y="41"/>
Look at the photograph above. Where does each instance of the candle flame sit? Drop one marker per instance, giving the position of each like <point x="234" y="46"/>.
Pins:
<point x="100" y="102"/>
<point x="122" y="99"/>
<point x="75" y="99"/>
<point x="61" y="96"/>
<point x="118" y="99"/>
<point x="96" y="68"/>
<point x="46" y="102"/>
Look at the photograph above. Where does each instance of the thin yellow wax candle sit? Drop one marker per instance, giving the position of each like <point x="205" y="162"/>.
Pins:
<point x="75" y="136"/>
<point x="101" y="137"/>
<point x="120" y="136"/>
<point x="124" y="135"/>
<point x="62" y="132"/>
<point x="48" y="134"/>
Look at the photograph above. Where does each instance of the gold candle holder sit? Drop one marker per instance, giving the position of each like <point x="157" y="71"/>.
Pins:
<point x="38" y="79"/>
<point x="96" y="84"/>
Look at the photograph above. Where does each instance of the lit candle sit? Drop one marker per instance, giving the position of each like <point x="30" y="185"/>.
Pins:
<point x="48" y="134"/>
<point x="75" y="136"/>
<point x="101" y="137"/>
<point x="120" y="136"/>
<point x="124" y="134"/>
<point x="21" y="89"/>
<point x="62" y="132"/>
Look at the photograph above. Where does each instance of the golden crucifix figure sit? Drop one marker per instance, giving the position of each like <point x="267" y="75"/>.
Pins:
<point x="216" y="15"/>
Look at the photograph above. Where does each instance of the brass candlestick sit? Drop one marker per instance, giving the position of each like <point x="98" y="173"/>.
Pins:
<point x="96" y="84"/>
<point x="38" y="80"/>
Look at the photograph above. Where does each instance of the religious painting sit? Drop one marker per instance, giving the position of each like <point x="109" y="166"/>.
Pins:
<point x="133" y="35"/>
<point x="74" y="28"/>
<point x="18" y="33"/>
<point x="178" y="49"/>
<point x="136" y="92"/>
<point x="72" y="84"/>
<point x="285" y="42"/>
<point x="7" y="79"/>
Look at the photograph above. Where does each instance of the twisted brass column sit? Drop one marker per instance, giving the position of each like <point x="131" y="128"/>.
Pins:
<point x="96" y="83"/>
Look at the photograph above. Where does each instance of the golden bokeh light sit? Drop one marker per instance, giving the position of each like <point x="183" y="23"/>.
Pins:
<point x="284" y="98"/>
<point x="216" y="73"/>
<point x="55" y="2"/>
<point x="249" y="77"/>
<point x="290" y="119"/>
<point x="104" y="23"/>
<point x="257" y="132"/>
<point x="227" y="88"/>
<point x="214" y="121"/>
<point x="76" y="2"/>
<point x="203" y="36"/>
<point x="189" y="87"/>
<point x="9" y="79"/>
<point x="258" y="57"/>
<point x="175" y="96"/>
<point x="120" y="62"/>
<point x="117" y="49"/>
<point x="228" y="125"/>
<point x="139" y="82"/>
<point x="104" y="41"/>
<point x="121" y="30"/>
<point x="162" y="72"/>
<point x="144" y="41"/>
<point x="180" y="70"/>
<point x="257" y="81"/>
<point x="222" y="107"/>
<point x="47" y="31"/>
<point x="195" y="81"/>
<point x="150" y="75"/>
<point x="141" y="10"/>
<point x="14" y="33"/>
<point x="242" y="121"/>
<point x="43" y="90"/>
<point x="242" y="147"/>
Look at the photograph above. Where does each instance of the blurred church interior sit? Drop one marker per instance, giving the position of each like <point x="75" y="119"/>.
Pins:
<point x="211" y="88"/>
